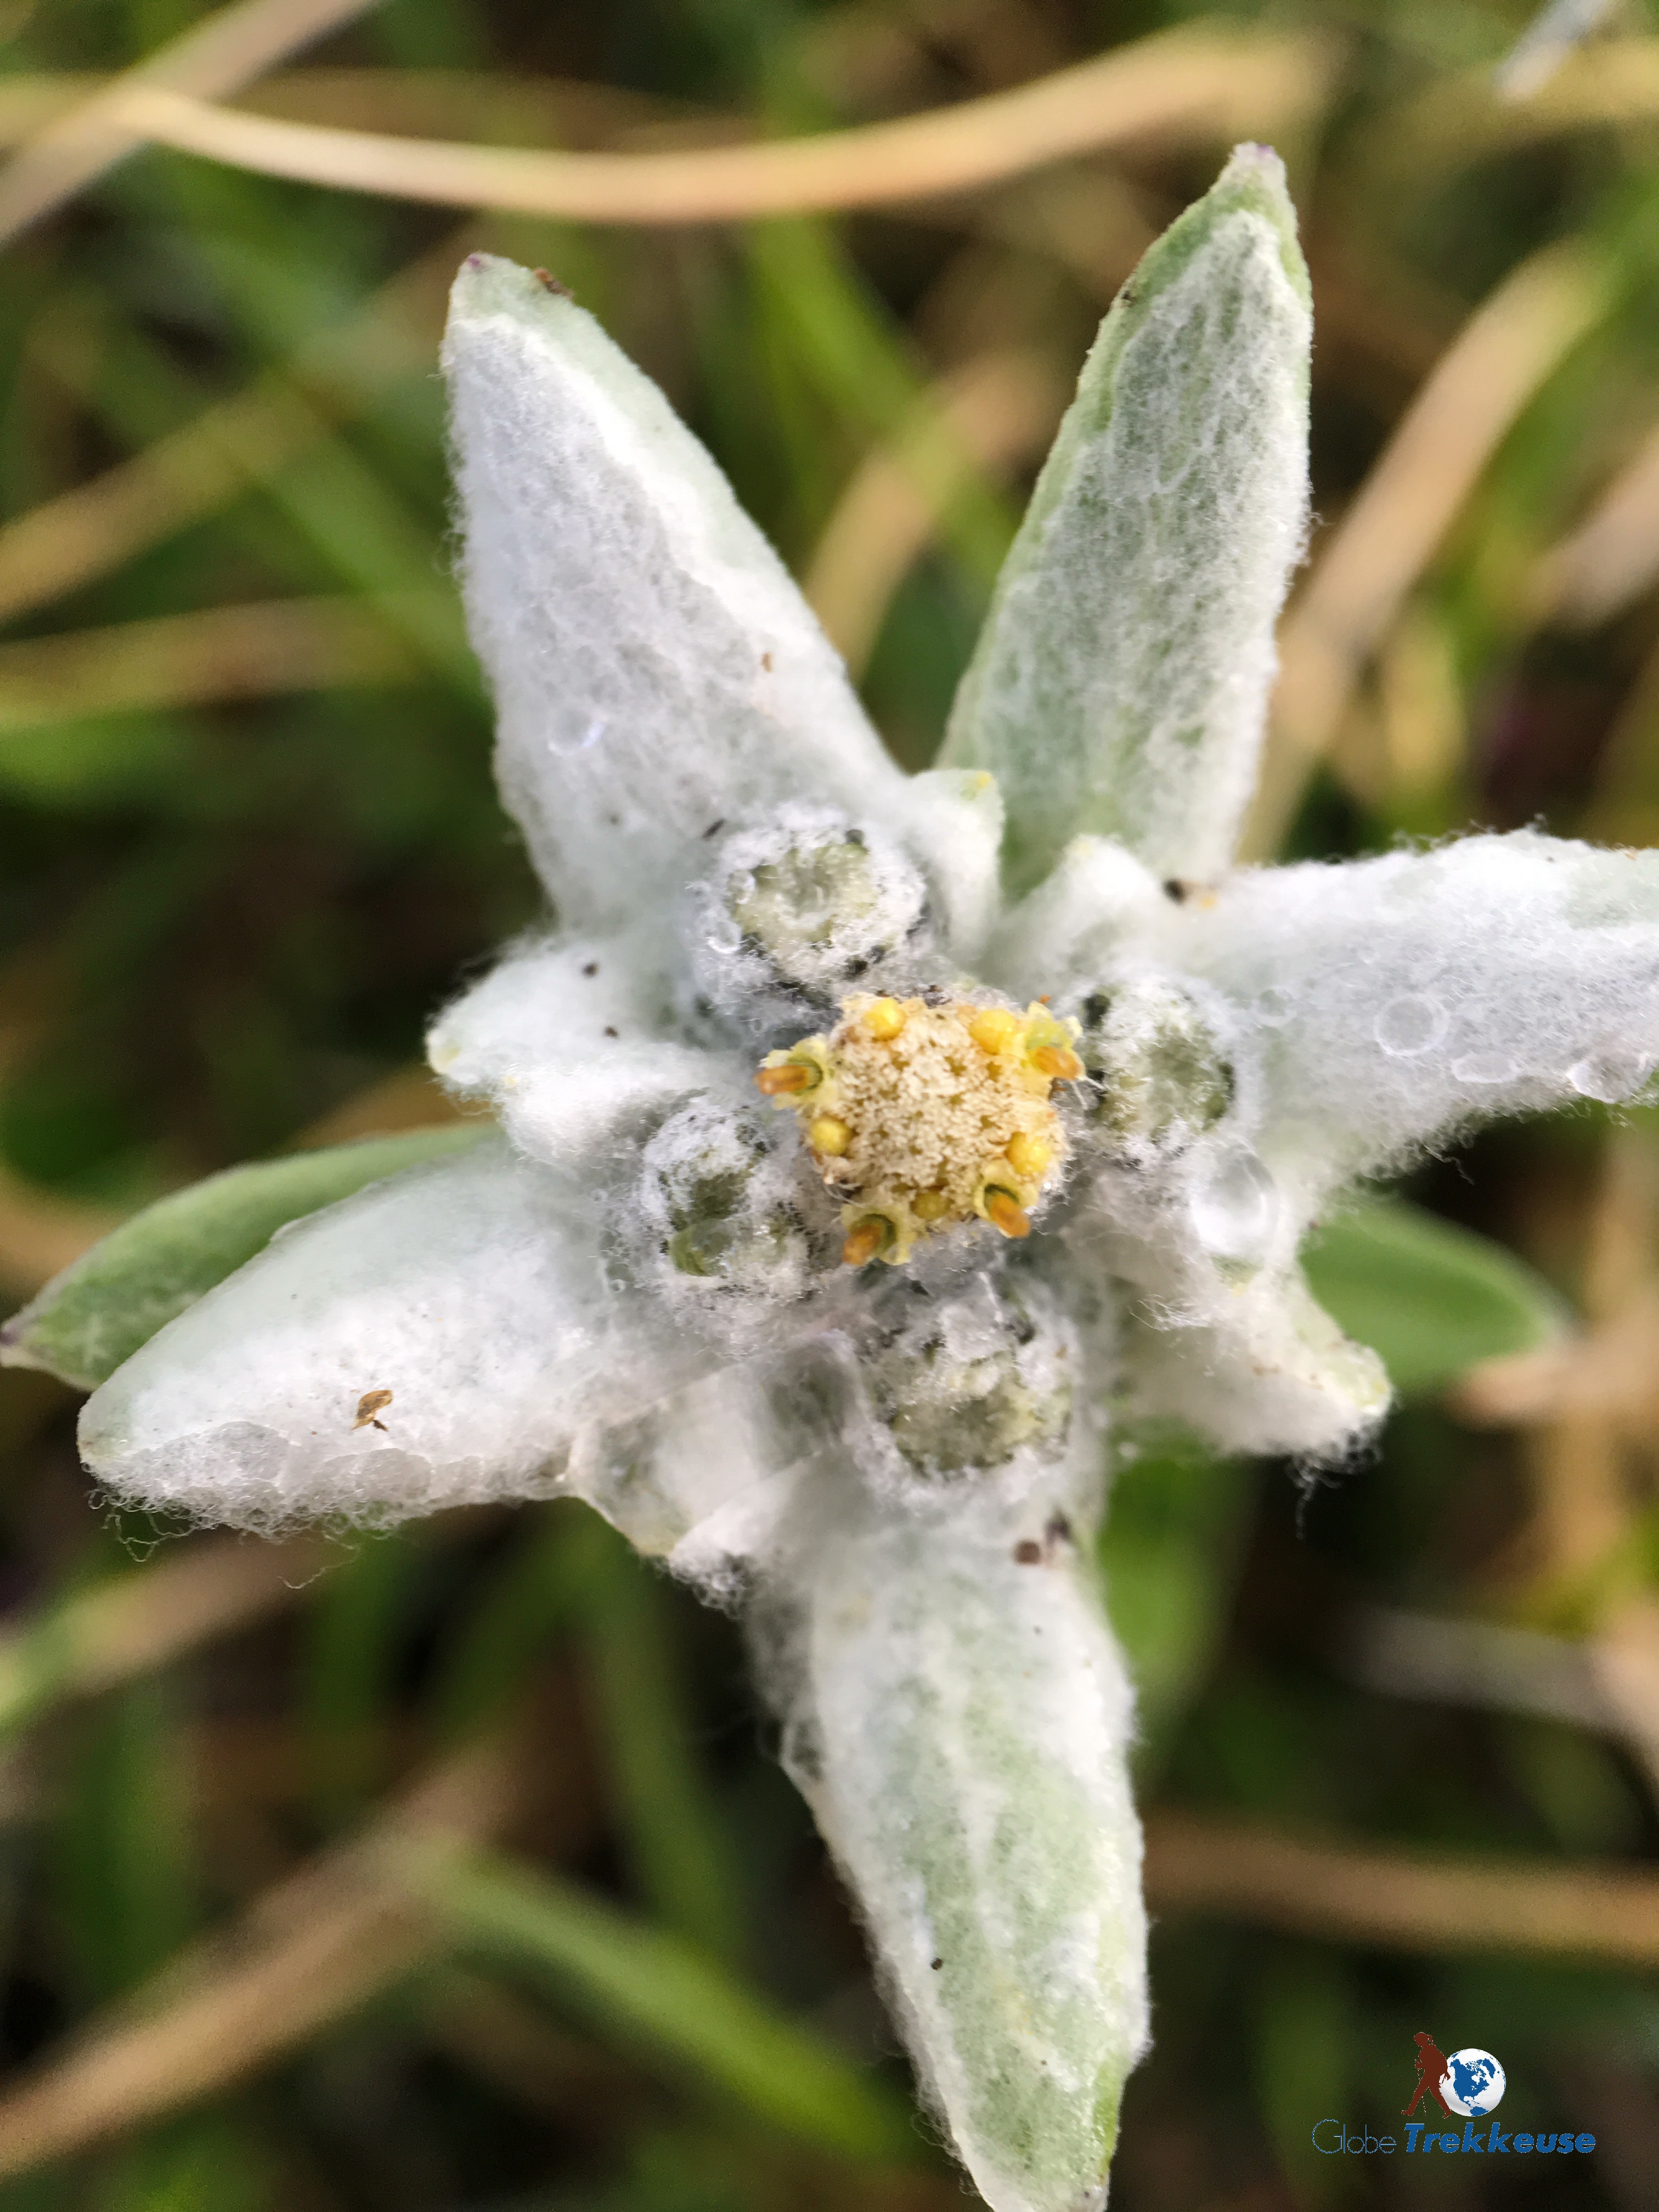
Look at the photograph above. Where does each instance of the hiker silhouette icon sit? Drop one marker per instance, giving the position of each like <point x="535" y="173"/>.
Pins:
<point x="1430" y="2073"/>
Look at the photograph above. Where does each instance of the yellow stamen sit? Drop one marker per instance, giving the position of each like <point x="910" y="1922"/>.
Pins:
<point x="883" y="1018"/>
<point x="1028" y="1156"/>
<point x="865" y="1242"/>
<point x="1057" y="1062"/>
<point x="786" y="1080"/>
<point x="930" y="1206"/>
<point x="827" y="1135"/>
<point x="1004" y="1212"/>
<point x="995" y="1030"/>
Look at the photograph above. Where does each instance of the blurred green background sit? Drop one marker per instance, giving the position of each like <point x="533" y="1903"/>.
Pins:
<point x="452" y="1869"/>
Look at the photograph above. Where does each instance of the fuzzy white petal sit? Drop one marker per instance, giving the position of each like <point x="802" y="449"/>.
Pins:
<point x="475" y="1290"/>
<point x="1256" y="1367"/>
<point x="960" y="1727"/>
<point x="655" y="670"/>
<point x="706" y="1475"/>
<point x="567" y="1040"/>
<point x="1120" y="682"/>
<point x="1220" y="1331"/>
<point x="1400" y="1001"/>
<point x="1068" y="933"/>
<point x="951" y="820"/>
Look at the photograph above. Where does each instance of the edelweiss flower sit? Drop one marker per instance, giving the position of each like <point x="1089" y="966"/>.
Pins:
<point x="865" y="1141"/>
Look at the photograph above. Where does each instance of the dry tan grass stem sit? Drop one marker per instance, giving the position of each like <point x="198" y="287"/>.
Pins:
<point x="193" y="472"/>
<point x="130" y="1627"/>
<point x="995" y="411"/>
<point x="1612" y="557"/>
<point x="41" y="1233"/>
<point x="311" y="1949"/>
<point x="1397" y="1900"/>
<point x="246" y="651"/>
<point x="1506" y="350"/>
<point x="212" y="58"/>
<point x="1183" y="86"/>
<point x="1607" y="83"/>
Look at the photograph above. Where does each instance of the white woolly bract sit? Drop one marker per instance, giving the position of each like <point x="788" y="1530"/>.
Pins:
<point x="654" y="668"/>
<point x="724" y="1221"/>
<point x="959" y="1719"/>
<point x="570" y="1040"/>
<point x="951" y="819"/>
<point x="797" y="906"/>
<point x="1397" y="1001"/>
<point x="1121" y="681"/>
<point x="472" y="1289"/>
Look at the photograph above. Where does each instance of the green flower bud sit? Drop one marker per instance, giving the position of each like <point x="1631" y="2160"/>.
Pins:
<point x="969" y="1384"/>
<point x="1162" y="1076"/>
<point x="719" y="1209"/>
<point x="800" y="909"/>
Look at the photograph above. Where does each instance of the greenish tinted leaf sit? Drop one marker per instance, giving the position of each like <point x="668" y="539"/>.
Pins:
<point x="679" y="1851"/>
<point x="1302" y="2046"/>
<point x="115" y="1297"/>
<point x="965" y="1719"/>
<point x="1119" y="684"/>
<point x="125" y="760"/>
<point x="652" y="1991"/>
<point x="1169" y="1550"/>
<point x="355" y="1635"/>
<point x="1431" y="1297"/>
<point x="123" y="1861"/>
<point x="528" y="1603"/>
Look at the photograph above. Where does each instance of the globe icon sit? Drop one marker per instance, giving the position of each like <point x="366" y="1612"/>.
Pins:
<point x="1473" y="2083"/>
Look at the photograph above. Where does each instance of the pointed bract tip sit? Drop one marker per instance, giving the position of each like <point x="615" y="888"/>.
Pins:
<point x="1252" y="163"/>
<point x="490" y="285"/>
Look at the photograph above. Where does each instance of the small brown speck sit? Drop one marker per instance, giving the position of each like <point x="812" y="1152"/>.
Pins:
<point x="766" y="662"/>
<point x="609" y="1031"/>
<point x="371" y="1403"/>
<point x="591" y="968"/>
<point x="716" y="826"/>
<point x="1175" y="890"/>
<point x="1058" y="1531"/>
<point x="1028" y="1553"/>
<point x="550" y="282"/>
<point x="938" y="1963"/>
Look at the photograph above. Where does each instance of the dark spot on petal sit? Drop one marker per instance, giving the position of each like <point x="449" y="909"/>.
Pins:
<point x="550" y="282"/>
<point x="716" y="826"/>
<point x="609" y="1031"/>
<point x="1058" y="1531"/>
<point x="1027" y="1553"/>
<point x="938" y="1963"/>
<point x="591" y="968"/>
<point x="1175" y="890"/>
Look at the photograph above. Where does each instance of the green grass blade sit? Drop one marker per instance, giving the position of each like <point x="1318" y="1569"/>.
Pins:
<point x="654" y="1992"/>
<point x="1431" y="1297"/>
<point x="114" y="1298"/>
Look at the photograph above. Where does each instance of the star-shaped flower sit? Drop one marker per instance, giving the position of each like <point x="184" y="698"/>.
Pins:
<point x="866" y="1142"/>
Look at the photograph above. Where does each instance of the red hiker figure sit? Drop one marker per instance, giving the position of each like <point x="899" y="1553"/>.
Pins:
<point x="1430" y="2073"/>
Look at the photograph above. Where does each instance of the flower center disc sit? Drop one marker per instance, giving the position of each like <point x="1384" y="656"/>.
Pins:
<point x="924" y="1116"/>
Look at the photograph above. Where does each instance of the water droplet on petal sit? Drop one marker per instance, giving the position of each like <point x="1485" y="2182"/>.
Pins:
<point x="1234" y="1209"/>
<point x="582" y="740"/>
<point x="1483" y="1067"/>
<point x="1410" y="1024"/>
<point x="1610" y="1075"/>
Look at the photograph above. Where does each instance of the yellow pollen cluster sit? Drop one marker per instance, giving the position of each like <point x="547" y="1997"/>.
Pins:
<point x="922" y="1116"/>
